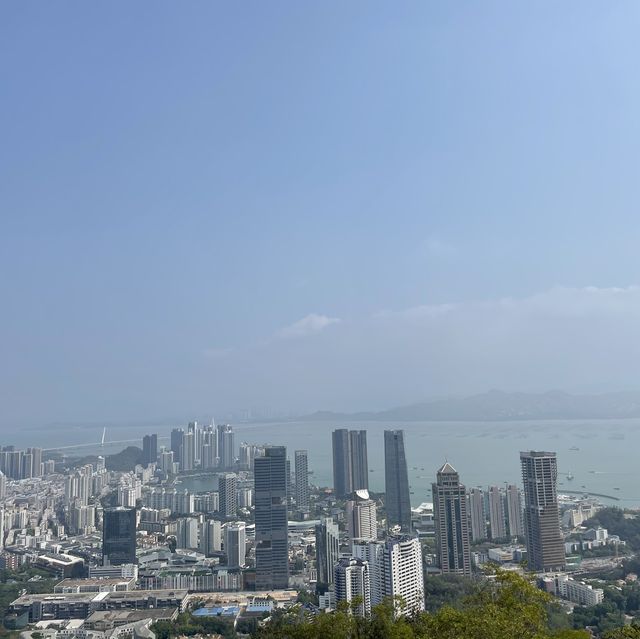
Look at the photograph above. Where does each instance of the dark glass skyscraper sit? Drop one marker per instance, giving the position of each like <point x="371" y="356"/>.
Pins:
<point x="149" y="449"/>
<point x="396" y="481"/>
<point x="545" y="545"/>
<point x="451" y="522"/>
<point x="350" y="465"/>
<point x="118" y="536"/>
<point x="271" y="528"/>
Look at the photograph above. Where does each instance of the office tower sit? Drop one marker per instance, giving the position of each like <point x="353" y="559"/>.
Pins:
<point x="149" y="449"/>
<point x="176" y="442"/>
<point x="361" y="516"/>
<point x="514" y="511"/>
<point x="451" y="522"/>
<point x="187" y="451"/>
<point x="327" y="549"/>
<point x="118" y="536"/>
<point x="497" y="519"/>
<point x="396" y="481"/>
<point x="477" y="515"/>
<point x="210" y="537"/>
<point x="373" y="553"/>
<point x="187" y="533"/>
<point x="341" y="463"/>
<point x="402" y="570"/>
<point x="271" y="524"/>
<point x="196" y="431"/>
<point x="352" y="581"/>
<point x="359" y="462"/>
<point x="228" y="492"/>
<point x="226" y="446"/>
<point x="545" y="545"/>
<point x="235" y="543"/>
<point x="302" y="481"/>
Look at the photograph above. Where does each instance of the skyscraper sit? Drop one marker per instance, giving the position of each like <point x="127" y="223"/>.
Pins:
<point x="228" y="492"/>
<point x="373" y="553"/>
<point x="361" y="515"/>
<point x="176" y="442"/>
<point x="396" y="481"/>
<point x="118" y="536"/>
<point x="545" y="545"/>
<point x="210" y="537"/>
<point x="359" y="461"/>
<point x="341" y="462"/>
<point x="351" y="582"/>
<point x="302" y="481"/>
<point x="226" y="446"/>
<point x="149" y="449"/>
<point x="187" y="451"/>
<point x="477" y="515"/>
<point x="451" y="522"/>
<point x="497" y="518"/>
<point x="235" y="543"/>
<point x="402" y="572"/>
<point x="271" y="524"/>
<point x="514" y="511"/>
<point x="327" y="549"/>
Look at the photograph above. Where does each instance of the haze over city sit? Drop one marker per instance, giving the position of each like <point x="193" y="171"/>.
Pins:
<point x="343" y="207"/>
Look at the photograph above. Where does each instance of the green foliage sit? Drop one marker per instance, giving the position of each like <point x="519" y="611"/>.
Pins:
<point x="508" y="607"/>
<point x="188" y="625"/>
<point x="450" y="590"/>
<point x="614" y="520"/>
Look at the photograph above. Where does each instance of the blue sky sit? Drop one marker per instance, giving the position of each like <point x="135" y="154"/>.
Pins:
<point x="180" y="183"/>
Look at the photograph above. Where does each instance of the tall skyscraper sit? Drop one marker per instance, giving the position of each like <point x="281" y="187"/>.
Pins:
<point x="271" y="523"/>
<point x="327" y="549"/>
<point x="226" y="446"/>
<point x="361" y="516"/>
<point x="359" y="460"/>
<point x="235" y="543"/>
<point x="210" y="537"/>
<point x="451" y="522"/>
<point x="497" y="518"/>
<point x="118" y="536"/>
<point x="477" y="515"/>
<point x="402" y="569"/>
<point x="396" y="481"/>
<point x="545" y="545"/>
<point x="514" y="511"/>
<point x="187" y="533"/>
<point x="176" y="442"/>
<point x="351" y="582"/>
<point x="228" y="492"/>
<point x="302" y="481"/>
<point x="149" y="449"/>
<point x="341" y="462"/>
<point x="187" y="451"/>
<point x="350" y="464"/>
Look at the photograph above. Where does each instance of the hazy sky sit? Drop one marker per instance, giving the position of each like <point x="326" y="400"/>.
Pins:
<point x="207" y="206"/>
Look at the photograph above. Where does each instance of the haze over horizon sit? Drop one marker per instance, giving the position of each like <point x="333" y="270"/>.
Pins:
<point x="346" y="207"/>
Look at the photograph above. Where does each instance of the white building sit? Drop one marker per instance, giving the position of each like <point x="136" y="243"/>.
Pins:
<point x="351" y="580"/>
<point x="361" y="513"/>
<point x="403" y="575"/>
<point x="373" y="553"/>
<point x="210" y="537"/>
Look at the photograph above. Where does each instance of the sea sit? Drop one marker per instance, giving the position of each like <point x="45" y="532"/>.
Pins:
<point x="595" y="456"/>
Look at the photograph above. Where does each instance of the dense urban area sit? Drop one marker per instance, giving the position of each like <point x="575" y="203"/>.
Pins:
<point x="113" y="546"/>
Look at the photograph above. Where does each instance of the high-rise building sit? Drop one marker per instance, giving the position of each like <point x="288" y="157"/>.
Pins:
<point x="226" y="446"/>
<point x="187" y="533"/>
<point x="149" y="449"/>
<point x="497" y="518"/>
<point x="477" y="515"/>
<point x="545" y="545"/>
<point x="451" y="522"/>
<point x="187" y="451"/>
<point x="228" y="491"/>
<point x="403" y="573"/>
<point x="302" y="481"/>
<point x="118" y="536"/>
<point x="210" y="537"/>
<point x="327" y="549"/>
<point x="341" y="462"/>
<point x="271" y="522"/>
<point x="3" y="485"/>
<point x="514" y="511"/>
<point x="176" y="442"/>
<point x="351" y="582"/>
<point x="359" y="460"/>
<point x="235" y="543"/>
<point x="373" y="553"/>
<point x="396" y="480"/>
<point x="36" y="454"/>
<point x="361" y="515"/>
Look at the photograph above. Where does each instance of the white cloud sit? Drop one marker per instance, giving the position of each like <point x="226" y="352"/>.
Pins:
<point x="309" y="325"/>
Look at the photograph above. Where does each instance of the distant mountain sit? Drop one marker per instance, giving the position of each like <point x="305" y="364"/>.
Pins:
<point x="501" y="406"/>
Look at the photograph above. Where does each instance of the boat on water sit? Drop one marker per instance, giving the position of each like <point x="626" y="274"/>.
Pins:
<point x="615" y="488"/>
<point x="574" y="448"/>
<point x="569" y="476"/>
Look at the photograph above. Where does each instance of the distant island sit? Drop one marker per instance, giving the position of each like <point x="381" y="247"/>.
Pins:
<point x="502" y="406"/>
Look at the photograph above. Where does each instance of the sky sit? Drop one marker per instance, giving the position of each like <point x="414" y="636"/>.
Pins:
<point x="290" y="206"/>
